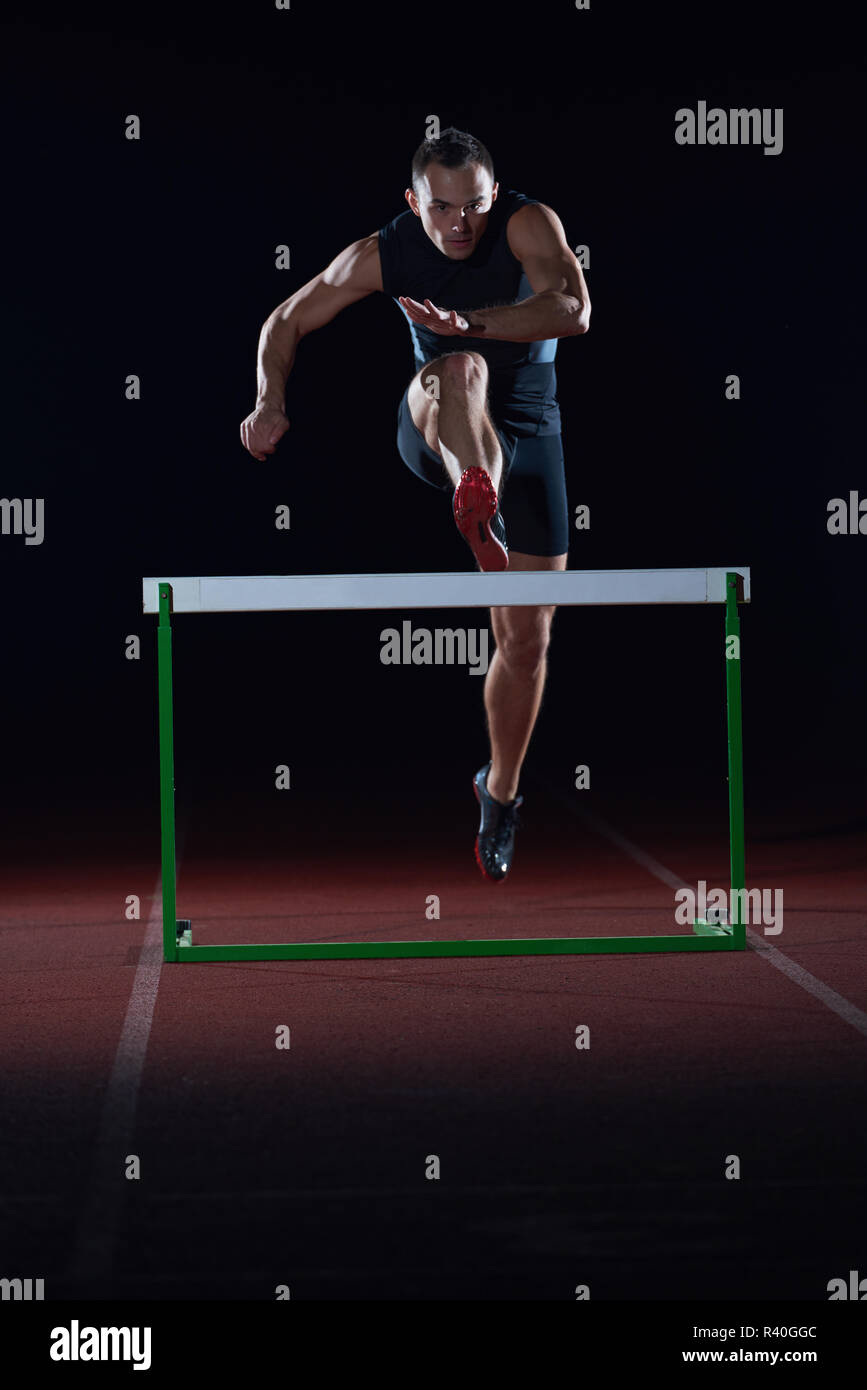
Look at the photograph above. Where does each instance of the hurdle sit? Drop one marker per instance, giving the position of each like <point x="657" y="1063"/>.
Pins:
<point x="728" y="586"/>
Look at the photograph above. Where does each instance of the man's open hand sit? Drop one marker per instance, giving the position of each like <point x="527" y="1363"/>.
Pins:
<point x="262" y="430"/>
<point x="447" y="322"/>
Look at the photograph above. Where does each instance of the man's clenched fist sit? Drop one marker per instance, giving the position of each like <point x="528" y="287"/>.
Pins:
<point x="261" y="431"/>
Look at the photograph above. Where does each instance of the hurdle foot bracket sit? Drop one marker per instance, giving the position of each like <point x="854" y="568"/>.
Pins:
<point x="184" y="932"/>
<point x="702" y="927"/>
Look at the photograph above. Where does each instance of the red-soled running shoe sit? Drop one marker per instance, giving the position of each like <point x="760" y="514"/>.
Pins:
<point x="479" y="520"/>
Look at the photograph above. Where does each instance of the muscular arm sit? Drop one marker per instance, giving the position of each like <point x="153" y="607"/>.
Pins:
<point x="356" y="272"/>
<point x="560" y="305"/>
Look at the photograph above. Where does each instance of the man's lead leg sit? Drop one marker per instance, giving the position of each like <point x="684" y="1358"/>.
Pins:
<point x="448" y="404"/>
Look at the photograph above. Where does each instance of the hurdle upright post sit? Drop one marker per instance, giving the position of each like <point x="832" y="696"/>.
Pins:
<point x="736" y="761"/>
<point x="167" y="773"/>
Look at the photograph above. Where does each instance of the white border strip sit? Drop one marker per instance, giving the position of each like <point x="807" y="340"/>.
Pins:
<point x="98" y="1222"/>
<point x="283" y="592"/>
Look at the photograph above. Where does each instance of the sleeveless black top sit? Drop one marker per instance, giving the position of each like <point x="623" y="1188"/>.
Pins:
<point x="523" y="382"/>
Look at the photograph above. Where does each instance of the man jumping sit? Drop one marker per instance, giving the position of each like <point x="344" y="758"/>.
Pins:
<point x="487" y="284"/>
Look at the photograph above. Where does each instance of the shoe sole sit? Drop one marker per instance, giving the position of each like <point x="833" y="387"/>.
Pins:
<point x="475" y="507"/>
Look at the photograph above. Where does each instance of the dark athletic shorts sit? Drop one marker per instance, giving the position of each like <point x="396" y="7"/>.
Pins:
<point x="533" y="492"/>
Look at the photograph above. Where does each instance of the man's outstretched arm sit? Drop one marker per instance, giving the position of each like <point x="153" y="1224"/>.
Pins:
<point x="559" y="306"/>
<point x="352" y="275"/>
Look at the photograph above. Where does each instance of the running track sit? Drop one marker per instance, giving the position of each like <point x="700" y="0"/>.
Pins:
<point x="306" y="1166"/>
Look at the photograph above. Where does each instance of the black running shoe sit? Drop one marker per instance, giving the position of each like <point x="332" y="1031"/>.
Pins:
<point x="495" y="842"/>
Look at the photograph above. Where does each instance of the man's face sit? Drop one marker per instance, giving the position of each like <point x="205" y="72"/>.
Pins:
<point x="454" y="206"/>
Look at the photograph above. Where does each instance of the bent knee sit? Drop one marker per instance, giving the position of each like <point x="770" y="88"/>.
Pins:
<point x="464" y="368"/>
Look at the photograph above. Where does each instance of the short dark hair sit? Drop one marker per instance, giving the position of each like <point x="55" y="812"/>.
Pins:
<point x="455" y="149"/>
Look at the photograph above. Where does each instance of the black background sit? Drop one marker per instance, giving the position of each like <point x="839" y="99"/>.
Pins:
<point x="156" y="257"/>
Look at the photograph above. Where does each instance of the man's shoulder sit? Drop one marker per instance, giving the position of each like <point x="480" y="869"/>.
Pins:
<point x="523" y="208"/>
<point x="519" y="216"/>
<point x="511" y="202"/>
<point x="398" y="226"/>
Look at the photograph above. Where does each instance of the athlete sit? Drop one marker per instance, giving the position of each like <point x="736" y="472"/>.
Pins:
<point x="488" y="284"/>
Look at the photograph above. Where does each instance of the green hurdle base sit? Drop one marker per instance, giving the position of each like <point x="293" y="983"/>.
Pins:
<point x="707" y="936"/>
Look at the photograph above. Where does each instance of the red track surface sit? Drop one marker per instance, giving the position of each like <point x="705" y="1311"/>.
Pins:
<point x="306" y="1167"/>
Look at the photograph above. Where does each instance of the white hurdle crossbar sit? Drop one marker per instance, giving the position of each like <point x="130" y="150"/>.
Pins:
<point x="259" y="593"/>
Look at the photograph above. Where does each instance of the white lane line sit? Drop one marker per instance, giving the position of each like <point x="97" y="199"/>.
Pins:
<point x="97" y="1227"/>
<point x="849" y="1012"/>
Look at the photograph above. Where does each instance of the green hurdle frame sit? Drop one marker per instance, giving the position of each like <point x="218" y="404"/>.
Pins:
<point x="707" y="936"/>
